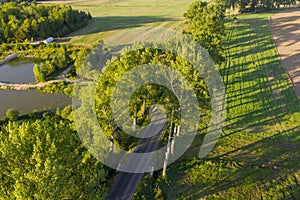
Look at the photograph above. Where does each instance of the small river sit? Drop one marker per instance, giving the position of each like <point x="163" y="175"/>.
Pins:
<point x="26" y="101"/>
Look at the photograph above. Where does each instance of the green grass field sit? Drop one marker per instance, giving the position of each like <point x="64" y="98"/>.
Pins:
<point x="258" y="155"/>
<point x="112" y="17"/>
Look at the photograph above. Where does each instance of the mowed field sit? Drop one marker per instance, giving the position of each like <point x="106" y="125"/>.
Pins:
<point x="258" y="155"/>
<point x="285" y="27"/>
<point x="111" y="17"/>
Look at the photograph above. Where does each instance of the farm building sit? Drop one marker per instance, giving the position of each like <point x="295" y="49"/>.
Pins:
<point x="35" y="43"/>
<point x="48" y="40"/>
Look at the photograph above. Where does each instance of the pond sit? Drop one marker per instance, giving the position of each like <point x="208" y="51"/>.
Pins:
<point x="17" y="72"/>
<point x="26" y="101"/>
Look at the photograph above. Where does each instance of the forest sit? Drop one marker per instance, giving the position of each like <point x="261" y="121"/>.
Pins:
<point x="258" y="5"/>
<point x="42" y="157"/>
<point x="20" y="22"/>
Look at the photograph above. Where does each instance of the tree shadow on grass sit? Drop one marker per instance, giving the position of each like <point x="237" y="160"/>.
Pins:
<point x="266" y="167"/>
<point x="110" y="23"/>
<point x="279" y="158"/>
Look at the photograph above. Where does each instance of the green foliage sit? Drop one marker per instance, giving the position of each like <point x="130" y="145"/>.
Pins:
<point x="158" y="194"/>
<point x="206" y="25"/>
<point x="145" y="97"/>
<point x="55" y="59"/>
<point x="38" y="74"/>
<point x="148" y="190"/>
<point x="20" y="22"/>
<point x="58" y="87"/>
<point x="256" y="157"/>
<point x="208" y="173"/>
<point x="79" y="58"/>
<point x="258" y="5"/>
<point x="44" y="159"/>
<point x="60" y="58"/>
<point x="12" y="114"/>
<point x="66" y="113"/>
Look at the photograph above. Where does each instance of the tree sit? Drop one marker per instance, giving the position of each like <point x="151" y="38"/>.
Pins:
<point x="66" y="113"/>
<point x="60" y="57"/>
<point x="206" y="25"/>
<point x="144" y="97"/>
<point x="38" y="74"/>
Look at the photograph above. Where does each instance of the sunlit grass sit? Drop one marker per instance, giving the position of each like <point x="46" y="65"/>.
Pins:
<point x="112" y="17"/>
<point x="257" y="156"/>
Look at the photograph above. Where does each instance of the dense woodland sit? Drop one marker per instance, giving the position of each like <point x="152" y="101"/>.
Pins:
<point x="259" y="5"/>
<point x="20" y="22"/>
<point x="42" y="157"/>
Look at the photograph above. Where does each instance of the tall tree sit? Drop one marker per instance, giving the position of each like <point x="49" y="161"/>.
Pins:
<point x="206" y="25"/>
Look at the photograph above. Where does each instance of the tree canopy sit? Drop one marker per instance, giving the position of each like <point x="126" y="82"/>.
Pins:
<point x="206" y="25"/>
<point x="19" y="22"/>
<point x="44" y="159"/>
<point x="148" y="95"/>
<point x="258" y="5"/>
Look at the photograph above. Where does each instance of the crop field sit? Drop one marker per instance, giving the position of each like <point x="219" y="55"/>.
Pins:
<point x="258" y="155"/>
<point x="112" y="17"/>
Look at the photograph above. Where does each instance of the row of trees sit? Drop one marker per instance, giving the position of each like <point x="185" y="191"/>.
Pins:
<point x="206" y="26"/>
<point x="145" y="96"/>
<point x="258" y="5"/>
<point x="19" y="22"/>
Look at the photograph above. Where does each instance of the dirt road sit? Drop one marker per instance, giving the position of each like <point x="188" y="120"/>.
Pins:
<point x="285" y="27"/>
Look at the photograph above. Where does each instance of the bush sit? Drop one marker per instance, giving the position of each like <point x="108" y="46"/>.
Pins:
<point x="66" y="113"/>
<point x="12" y="114"/>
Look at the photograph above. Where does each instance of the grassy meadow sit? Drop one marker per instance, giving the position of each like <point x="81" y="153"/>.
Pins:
<point x="112" y="17"/>
<point x="257" y="157"/>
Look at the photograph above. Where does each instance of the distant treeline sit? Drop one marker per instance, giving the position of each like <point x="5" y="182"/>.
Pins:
<point x="259" y="5"/>
<point x="20" y="22"/>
